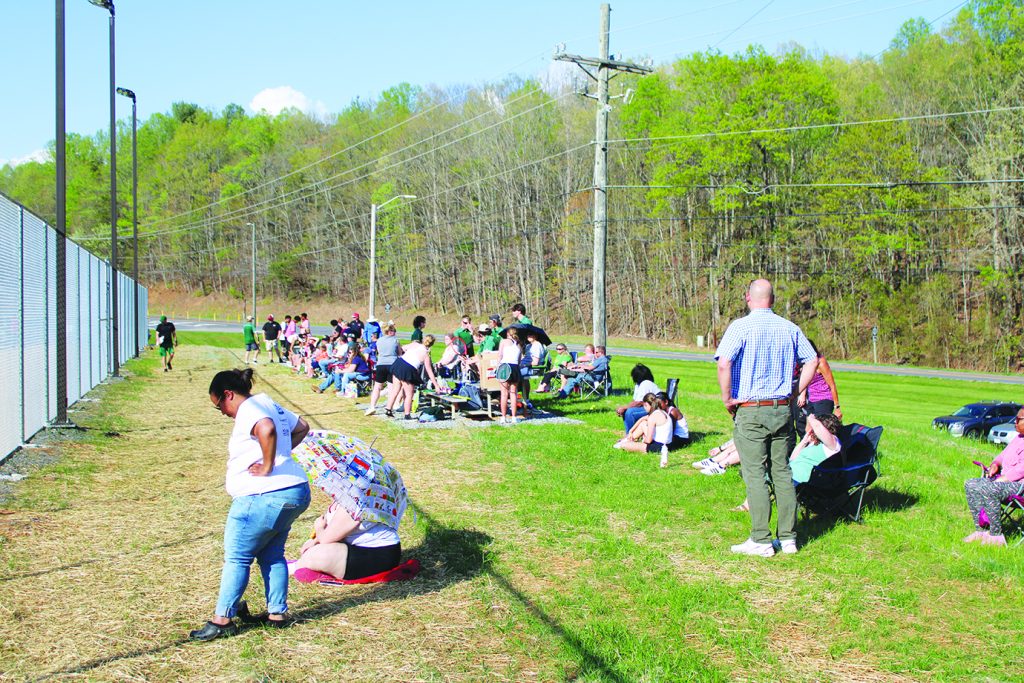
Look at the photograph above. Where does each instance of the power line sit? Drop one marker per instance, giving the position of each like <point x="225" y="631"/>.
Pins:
<point x="819" y="126"/>
<point x="311" y="189"/>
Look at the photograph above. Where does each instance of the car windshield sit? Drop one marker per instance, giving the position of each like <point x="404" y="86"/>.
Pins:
<point x="970" y="411"/>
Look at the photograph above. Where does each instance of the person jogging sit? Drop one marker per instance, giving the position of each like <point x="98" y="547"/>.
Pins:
<point x="166" y="340"/>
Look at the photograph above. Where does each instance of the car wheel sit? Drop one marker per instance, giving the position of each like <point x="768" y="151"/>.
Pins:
<point x="972" y="434"/>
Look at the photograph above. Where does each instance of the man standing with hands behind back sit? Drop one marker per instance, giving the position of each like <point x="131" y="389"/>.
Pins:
<point x="755" y="373"/>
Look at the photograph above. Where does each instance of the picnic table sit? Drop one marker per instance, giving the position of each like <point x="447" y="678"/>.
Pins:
<point x="451" y="400"/>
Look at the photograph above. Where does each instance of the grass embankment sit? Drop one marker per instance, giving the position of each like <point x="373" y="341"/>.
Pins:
<point x="548" y="555"/>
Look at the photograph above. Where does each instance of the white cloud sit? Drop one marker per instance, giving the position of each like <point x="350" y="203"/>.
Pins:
<point x="40" y="155"/>
<point x="275" y="100"/>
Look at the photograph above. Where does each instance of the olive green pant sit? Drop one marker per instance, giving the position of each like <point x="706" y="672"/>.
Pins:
<point x="762" y="436"/>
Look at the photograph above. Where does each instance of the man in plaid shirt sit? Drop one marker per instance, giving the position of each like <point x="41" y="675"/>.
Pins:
<point x="756" y="359"/>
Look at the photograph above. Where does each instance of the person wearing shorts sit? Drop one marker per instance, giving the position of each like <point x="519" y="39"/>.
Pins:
<point x="166" y="339"/>
<point x="271" y="332"/>
<point x="347" y="549"/>
<point x="249" y="339"/>
<point x="388" y="351"/>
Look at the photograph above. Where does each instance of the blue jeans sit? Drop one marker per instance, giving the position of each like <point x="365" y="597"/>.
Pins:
<point x="573" y="382"/>
<point x="256" y="529"/>
<point x="632" y="415"/>
<point x="332" y="378"/>
<point x="349" y="376"/>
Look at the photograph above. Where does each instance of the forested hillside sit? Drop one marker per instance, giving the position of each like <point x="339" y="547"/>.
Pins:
<point x="879" y="190"/>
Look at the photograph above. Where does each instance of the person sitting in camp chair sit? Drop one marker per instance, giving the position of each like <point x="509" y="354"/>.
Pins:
<point x="1003" y="478"/>
<point x="820" y="443"/>
<point x="593" y="371"/>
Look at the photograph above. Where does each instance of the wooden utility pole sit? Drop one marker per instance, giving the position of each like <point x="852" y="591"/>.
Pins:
<point x="604" y="65"/>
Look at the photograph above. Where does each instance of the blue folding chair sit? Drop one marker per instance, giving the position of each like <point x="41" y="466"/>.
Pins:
<point x="838" y="483"/>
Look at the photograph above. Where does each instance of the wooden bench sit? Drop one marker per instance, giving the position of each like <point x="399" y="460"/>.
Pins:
<point x="452" y="401"/>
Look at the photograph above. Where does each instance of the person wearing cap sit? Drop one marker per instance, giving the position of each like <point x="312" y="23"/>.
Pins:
<point x="271" y="332"/>
<point x="249" y="338"/>
<point x="492" y="336"/>
<point x="756" y="360"/>
<point x="166" y="340"/>
<point x="355" y="327"/>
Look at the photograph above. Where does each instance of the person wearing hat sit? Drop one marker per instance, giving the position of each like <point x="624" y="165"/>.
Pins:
<point x="372" y="327"/>
<point x="492" y="338"/>
<point x="249" y="338"/>
<point x="271" y="332"/>
<point x="355" y="327"/>
<point x="166" y="340"/>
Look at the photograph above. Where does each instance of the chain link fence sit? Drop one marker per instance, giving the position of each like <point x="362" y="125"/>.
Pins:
<point x="29" y="324"/>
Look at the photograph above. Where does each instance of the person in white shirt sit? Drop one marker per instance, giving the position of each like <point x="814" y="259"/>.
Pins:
<point x="643" y="384"/>
<point x="269" y="491"/>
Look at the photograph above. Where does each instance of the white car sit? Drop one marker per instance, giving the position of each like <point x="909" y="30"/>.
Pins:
<point x="1003" y="433"/>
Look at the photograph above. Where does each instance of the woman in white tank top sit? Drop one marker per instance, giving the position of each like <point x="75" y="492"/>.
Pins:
<point x="510" y="352"/>
<point x="652" y="432"/>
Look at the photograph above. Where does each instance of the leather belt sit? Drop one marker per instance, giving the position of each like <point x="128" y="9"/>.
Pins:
<point x="773" y="403"/>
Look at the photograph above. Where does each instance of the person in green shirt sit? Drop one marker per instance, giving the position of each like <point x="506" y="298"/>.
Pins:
<point x="491" y="334"/>
<point x="561" y="360"/>
<point x="519" y="313"/>
<point x="418" y="323"/>
<point x="818" y="444"/>
<point x="249" y="338"/>
<point x="465" y="333"/>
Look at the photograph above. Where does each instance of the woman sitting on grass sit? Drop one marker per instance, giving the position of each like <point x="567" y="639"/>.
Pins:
<point x="651" y="432"/>
<point x="346" y="549"/>
<point x="1003" y="478"/>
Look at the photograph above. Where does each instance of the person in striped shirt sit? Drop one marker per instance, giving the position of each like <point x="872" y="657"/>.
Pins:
<point x="756" y="358"/>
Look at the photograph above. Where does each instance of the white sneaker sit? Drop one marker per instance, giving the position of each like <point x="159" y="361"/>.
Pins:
<point x="713" y="469"/>
<point x="788" y="546"/>
<point x="339" y="394"/>
<point x="502" y="420"/>
<point x="371" y="410"/>
<point x="703" y="464"/>
<point x="752" y="547"/>
<point x="617" y="444"/>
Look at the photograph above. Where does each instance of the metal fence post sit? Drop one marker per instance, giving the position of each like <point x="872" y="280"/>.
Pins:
<point x="21" y="318"/>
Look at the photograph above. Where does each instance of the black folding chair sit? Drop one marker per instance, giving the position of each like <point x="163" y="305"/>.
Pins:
<point x="837" y="485"/>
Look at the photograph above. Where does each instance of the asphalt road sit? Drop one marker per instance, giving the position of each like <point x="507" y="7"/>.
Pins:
<point x="900" y="371"/>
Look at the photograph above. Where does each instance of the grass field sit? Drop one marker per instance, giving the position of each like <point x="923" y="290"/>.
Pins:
<point x="547" y="554"/>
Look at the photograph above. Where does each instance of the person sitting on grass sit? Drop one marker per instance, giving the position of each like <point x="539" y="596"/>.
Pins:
<point x="719" y="459"/>
<point x="653" y="431"/>
<point x="1003" y="478"/>
<point x="346" y="549"/>
<point x="598" y="365"/>
<point x="643" y="384"/>
<point x="681" y="429"/>
<point x="560" y="362"/>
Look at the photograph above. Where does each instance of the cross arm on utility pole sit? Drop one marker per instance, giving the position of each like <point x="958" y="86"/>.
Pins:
<point x="613" y="64"/>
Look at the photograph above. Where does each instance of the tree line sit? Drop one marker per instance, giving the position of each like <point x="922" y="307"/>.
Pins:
<point x="874" y="191"/>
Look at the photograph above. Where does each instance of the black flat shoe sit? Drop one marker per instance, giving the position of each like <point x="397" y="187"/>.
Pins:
<point x="210" y="630"/>
<point x="389" y="413"/>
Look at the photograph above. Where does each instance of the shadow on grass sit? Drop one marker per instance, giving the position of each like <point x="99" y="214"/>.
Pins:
<point x="448" y="556"/>
<point x="95" y="560"/>
<point x="876" y="499"/>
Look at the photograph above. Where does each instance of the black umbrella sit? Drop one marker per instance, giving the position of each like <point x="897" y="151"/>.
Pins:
<point x="524" y="330"/>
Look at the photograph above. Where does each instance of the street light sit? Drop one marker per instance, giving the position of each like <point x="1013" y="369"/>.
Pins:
<point x="252" y="226"/>
<point x="114" y="327"/>
<point x="125" y="92"/>
<point x="373" y="244"/>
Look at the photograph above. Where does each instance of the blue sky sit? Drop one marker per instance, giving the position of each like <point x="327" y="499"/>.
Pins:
<point x="321" y="54"/>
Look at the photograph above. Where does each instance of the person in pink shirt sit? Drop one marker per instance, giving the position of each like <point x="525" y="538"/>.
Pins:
<point x="1003" y="478"/>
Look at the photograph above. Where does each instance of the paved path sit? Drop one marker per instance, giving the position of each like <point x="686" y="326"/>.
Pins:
<point x="904" y="371"/>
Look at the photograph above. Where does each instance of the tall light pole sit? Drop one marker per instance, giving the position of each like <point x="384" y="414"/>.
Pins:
<point x="253" y="227"/>
<point x="61" y="418"/>
<point x="114" y="328"/>
<point x="135" y="216"/>
<point x="373" y="246"/>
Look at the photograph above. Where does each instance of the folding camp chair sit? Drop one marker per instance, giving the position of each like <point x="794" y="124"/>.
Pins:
<point x="838" y="483"/>
<point x="671" y="389"/>
<point x="1011" y="514"/>
<point x="594" y="383"/>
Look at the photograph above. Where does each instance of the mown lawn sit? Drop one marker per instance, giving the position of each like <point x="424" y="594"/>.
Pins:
<point x="548" y="555"/>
